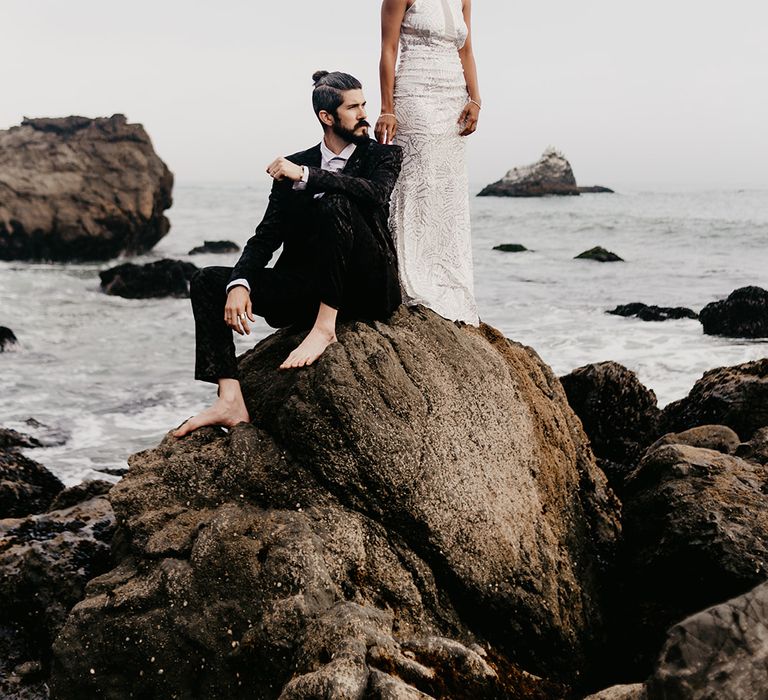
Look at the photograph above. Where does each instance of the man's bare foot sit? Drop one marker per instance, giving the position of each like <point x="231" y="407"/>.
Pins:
<point x="310" y="349"/>
<point x="226" y="412"/>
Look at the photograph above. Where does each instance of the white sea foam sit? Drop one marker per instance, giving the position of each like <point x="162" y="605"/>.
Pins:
<point x="117" y="373"/>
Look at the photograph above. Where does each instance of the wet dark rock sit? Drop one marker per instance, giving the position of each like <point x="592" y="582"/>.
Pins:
<point x="653" y="313"/>
<point x="599" y="254"/>
<point x="45" y="562"/>
<point x="619" y="414"/>
<point x="719" y="652"/>
<point x="163" y="278"/>
<point x="25" y="486"/>
<point x="81" y="492"/>
<point x="114" y="471"/>
<point x="695" y="534"/>
<point x="417" y="511"/>
<point x="756" y="450"/>
<point x="744" y="314"/>
<point x="595" y="189"/>
<point x="551" y="174"/>
<point x="215" y="247"/>
<point x="7" y="338"/>
<point x="47" y="435"/>
<point x="734" y="396"/>
<point x="510" y="247"/>
<point x="13" y="438"/>
<point x="711" y="437"/>
<point x="80" y="189"/>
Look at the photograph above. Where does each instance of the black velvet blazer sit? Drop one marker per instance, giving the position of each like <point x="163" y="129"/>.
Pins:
<point x="368" y="178"/>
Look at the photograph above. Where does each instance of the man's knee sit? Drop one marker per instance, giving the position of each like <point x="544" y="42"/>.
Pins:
<point x="207" y="281"/>
<point x="335" y="203"/>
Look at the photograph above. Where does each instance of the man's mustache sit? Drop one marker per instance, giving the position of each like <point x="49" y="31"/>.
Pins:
<point x="362" y="122"/>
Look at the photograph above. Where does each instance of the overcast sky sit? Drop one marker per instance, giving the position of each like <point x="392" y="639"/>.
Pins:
<point x="661" y="92"/>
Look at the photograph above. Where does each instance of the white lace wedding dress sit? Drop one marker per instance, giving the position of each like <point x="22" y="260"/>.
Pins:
<point x="429" y="214"/>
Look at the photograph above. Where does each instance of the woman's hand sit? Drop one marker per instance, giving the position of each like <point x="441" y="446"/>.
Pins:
<point x="237" y="310"/>
<point x="468" y="119"/>
<point x="386" y="128"/>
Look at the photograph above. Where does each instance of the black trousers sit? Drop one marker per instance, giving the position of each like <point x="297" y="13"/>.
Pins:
<point x="342" y="263"/>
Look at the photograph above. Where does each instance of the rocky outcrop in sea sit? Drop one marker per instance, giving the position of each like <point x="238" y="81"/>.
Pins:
<point x="162" y="278"/>
<point x="647" y="312"/>
<point x="215" y="247"/>
<point x="76" y="189"/>
<point x="551" y="174"/>
<point x="744" y="314"/>
<point x="7" y="339"/>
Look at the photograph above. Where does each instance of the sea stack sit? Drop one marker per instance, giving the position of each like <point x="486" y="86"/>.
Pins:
<point x="79" y="189"/>
<point x="551" y="174"/>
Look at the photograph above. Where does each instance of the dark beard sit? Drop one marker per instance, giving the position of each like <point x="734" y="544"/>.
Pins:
<point x="349" y="135"/>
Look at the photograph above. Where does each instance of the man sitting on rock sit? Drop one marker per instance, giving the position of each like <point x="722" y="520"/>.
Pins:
<point x="329" y="209"/>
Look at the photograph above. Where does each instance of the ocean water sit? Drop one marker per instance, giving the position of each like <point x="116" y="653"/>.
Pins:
<point x="110" y="376"/>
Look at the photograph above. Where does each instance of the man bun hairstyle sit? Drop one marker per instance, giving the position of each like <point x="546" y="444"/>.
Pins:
<point x="327" y="93"/>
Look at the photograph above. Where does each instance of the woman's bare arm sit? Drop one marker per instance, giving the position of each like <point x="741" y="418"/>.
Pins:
<point x="392" y="13"/>
<point x="471" y="111"/>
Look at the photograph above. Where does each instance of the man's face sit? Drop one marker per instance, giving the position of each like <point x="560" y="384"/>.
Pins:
<point x="351" y="118"/>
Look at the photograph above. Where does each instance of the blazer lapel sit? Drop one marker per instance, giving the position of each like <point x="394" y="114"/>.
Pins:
<point x="312" y="157"/>
<point x="356" y="159"/>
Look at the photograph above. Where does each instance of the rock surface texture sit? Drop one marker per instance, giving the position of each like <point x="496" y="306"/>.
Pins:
<point x="721" y="652"/>
<point x="653" y="313"/>
<point x="733" y="396"/>
<point x="80" y="189"/>
<point x="163" y="278"/>
<point x="45" y="561"/>
<point x="744" y="314"/>
<point x="551" y="174"/>
<point x="695" y="534"/>
<point x="400" y="520"/>
<point x="620" y="415"/>
<point x="25" y="486"/>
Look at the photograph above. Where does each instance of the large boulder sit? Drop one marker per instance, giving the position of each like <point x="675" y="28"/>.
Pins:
<point x="744" y="314"/>
<point x="551" y="174"/>
<point x="720" y="652"/>
<point x="408" y="515"/>
<point x="733" y="396"/>
<point x="45" y="561"/>
<point x="162" y="278"/>
<point x="695" y="533"/>
<point x="80" y="189"/>
<point x="619" y="414"/>
<point x="711" y="437"/>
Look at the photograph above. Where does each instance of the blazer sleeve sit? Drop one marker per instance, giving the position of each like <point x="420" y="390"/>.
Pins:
<point x="267" y="238"/>
<point x="375" y="189"/>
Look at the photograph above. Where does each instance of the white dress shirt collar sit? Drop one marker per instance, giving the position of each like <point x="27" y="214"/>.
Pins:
<point x="328" y="155"/>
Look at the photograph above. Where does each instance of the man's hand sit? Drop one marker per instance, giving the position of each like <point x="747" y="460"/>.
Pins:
<point x="237" y="310"/>
<point x="282" y="168"/>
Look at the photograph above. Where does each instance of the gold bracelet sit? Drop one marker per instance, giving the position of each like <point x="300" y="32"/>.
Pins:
<point x="476" y="102"/>
<point x="387" y="114"/>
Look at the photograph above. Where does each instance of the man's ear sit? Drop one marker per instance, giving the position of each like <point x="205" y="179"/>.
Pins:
<point x="326" y="118"/>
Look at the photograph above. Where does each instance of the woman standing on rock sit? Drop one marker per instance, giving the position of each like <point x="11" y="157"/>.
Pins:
<point x="428" y="105"/>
